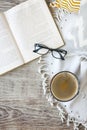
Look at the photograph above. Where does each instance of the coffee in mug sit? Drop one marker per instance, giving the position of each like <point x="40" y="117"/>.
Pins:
<point x="64" y="86"/>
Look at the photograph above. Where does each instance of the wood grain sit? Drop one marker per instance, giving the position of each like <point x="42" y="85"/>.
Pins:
<point x="22" y="103"/>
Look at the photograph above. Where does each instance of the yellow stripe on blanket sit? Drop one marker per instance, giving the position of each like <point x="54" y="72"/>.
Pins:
<point x="70" y="5"/>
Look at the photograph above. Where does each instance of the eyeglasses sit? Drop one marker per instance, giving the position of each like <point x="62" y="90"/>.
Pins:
<point x="56" y="53"/>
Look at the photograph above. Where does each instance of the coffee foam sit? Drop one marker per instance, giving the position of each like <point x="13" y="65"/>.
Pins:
<point x="64" y="86"/>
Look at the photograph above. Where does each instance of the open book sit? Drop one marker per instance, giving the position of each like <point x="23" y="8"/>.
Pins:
<point x="23" y="26"/>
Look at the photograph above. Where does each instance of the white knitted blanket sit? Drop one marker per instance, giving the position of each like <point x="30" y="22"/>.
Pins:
<point x="73" y="27"/>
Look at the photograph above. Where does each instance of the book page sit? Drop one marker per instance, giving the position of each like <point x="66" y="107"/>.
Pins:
<point x="31" y="22"/>
<point x="9" y="54"/>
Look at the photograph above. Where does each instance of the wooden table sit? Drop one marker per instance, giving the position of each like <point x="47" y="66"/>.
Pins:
<point x="22" y="103"/>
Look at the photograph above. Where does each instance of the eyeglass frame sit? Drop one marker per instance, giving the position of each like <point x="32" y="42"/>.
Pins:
<point x="60" y="51"/>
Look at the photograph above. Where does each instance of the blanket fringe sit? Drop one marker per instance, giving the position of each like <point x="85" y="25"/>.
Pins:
<point x="43" y="70"/>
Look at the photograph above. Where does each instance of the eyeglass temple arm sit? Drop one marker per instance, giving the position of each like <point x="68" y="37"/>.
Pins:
<point x="62" y="57"/>
<point x="41" y="46"/>
<point x="61" y="51"/>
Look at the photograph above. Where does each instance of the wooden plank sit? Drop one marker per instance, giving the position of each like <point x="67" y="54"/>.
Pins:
<point x="22" y="103"/>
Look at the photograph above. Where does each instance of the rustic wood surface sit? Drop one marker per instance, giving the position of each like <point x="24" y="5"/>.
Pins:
<point x="22" y="103"/>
